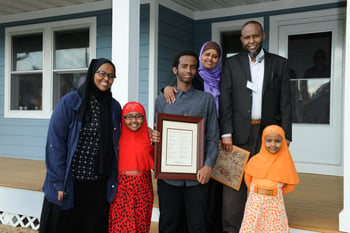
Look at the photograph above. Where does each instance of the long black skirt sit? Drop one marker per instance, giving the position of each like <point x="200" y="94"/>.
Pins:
<point x="89" y="214"/>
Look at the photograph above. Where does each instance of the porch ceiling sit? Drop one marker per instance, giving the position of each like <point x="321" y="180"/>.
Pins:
<point x="204" y="5"/>
<point x="21" y="6"/>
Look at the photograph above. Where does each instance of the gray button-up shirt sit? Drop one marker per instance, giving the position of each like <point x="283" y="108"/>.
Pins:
<point x="199" y="104"/>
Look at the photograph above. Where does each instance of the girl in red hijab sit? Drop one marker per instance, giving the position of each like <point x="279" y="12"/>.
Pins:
<point x="131" y="209"/>
<point x="268" y="175"/>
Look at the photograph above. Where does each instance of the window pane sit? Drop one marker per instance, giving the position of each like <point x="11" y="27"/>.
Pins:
<point x="309" y="54"/>
<point x="310" y="71"/>
<point x="72" y="49"/>
<point x="64" y="83"/>
<point x="26" y="92"/>
<point x="27" y="52"/>
<point x="311" y="101"/>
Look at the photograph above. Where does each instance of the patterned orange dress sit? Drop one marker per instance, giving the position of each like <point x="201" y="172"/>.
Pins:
<point x="265" y="213"/>
<point x="268" y="177"/>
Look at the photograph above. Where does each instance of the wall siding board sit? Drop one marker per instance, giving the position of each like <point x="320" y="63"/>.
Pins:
<point x="104" y="35"/>
<point x="202" y="33"/>
<point x="104" y="42"/>
<point x="175" y="33"/>
<point x="144" y="62"/>
<point x="25" y="141"/>
<point x="180" y="43"/>
<point x="23" y="130"/>
<point x="144" y="38"/>
<point x="104" y="52"/>
<point x="144" y="56"/>
<point x="22" y="152"/>
<point x="33" y="123"/>
<point x="103" y="29"/>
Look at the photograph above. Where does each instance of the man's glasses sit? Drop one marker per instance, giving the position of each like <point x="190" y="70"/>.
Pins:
<point x="103" y="74"/>
<point x="136" y="117"/>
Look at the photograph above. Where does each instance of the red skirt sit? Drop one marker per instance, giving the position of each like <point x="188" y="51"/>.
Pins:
<point x="131" y="208"/>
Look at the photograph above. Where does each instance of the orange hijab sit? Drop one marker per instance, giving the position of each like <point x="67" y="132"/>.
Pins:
<point x="278" y="167"/>
<point x="135" y="149"/>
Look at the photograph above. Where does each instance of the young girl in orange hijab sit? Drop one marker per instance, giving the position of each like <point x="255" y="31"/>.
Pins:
<point x="131" y="208"/>
<point x="268" y="175"/>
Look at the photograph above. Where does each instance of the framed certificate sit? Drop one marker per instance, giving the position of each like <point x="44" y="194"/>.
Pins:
<point x="229" y="167"/>
<point x="179" y="154"/>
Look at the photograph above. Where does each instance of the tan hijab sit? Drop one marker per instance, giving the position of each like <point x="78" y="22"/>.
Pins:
<point x="278" y="167"/>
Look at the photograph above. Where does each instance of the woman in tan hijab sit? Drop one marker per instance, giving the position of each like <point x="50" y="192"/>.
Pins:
<point x="268" y="175"/>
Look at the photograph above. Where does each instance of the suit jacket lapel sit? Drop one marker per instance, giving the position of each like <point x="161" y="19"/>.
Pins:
<point x="245" y="66"/>
<point x="267" y="71"/>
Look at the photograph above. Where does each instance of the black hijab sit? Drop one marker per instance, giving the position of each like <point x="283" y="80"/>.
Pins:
<point x="86" y="90"/>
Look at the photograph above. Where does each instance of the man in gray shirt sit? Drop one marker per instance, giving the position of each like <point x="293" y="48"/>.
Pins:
<point x="179" y="198"/>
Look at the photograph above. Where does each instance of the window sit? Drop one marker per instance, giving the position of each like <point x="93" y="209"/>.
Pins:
<point x="26" y="72"/>
<point x="43" y="63"/>
<point x="70" y="60"/>
<point x="310" y="70"/>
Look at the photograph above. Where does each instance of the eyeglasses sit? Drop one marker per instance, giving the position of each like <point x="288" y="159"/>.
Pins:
<point x="136" y="117"/>
<point x="103" y="74"/>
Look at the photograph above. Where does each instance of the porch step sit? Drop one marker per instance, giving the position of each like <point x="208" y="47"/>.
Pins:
<point x="22" y="173"/>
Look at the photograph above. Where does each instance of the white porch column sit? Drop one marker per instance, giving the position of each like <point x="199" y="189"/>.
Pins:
<point x="125" y="49"/>
<point x="153" y="60"/>
<point x="344" y="216"/>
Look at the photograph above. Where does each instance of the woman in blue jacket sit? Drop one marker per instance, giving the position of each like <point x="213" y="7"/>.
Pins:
<point x="81" y="156"/>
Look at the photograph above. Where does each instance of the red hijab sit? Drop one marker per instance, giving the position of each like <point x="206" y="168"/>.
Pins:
<point x="277" y="167"/>
<point x="135" y="149"/>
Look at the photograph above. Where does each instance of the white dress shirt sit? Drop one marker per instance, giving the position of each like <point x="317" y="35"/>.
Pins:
<point x="257" y="69"/>
<point x="257" y="75"/>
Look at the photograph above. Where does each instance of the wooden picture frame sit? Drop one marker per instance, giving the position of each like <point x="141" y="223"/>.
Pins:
<point x="229" y="167"/>
<point x="179" y="154"/>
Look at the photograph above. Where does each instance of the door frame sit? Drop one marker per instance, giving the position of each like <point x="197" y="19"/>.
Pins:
<point x="278" y="45"/>
<point x="232" y="25"/>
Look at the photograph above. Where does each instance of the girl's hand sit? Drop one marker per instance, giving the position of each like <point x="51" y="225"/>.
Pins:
<point x="155" y="137"/>
<point x="288" y="142"/>
<point x="169" y="94"/>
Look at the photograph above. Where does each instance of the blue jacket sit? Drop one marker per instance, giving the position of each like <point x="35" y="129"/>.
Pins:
<point x="62" y="140"/>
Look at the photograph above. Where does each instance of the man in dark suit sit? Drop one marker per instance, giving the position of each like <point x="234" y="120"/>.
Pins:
<point x="255" y="92"/>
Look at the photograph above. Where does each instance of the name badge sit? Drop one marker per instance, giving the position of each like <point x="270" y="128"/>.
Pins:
<point x="252" y="86"/>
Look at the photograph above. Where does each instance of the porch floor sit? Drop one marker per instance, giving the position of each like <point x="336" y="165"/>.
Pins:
<point x="22" y="173"/>
<point x="314" y="205"/>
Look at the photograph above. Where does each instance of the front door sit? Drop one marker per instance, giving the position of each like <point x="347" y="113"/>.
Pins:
<point x="315" y="53"/>
<point x="313" y="43"/>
